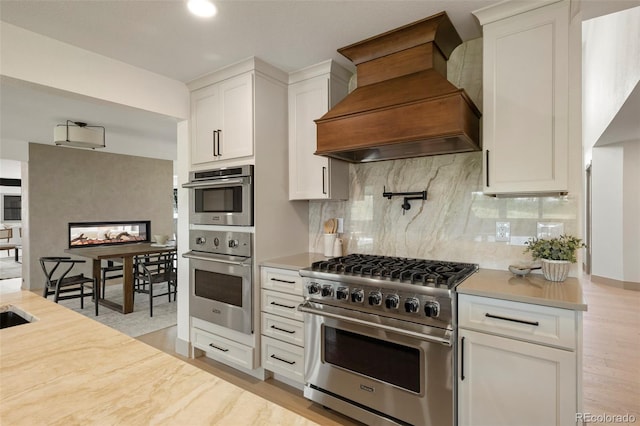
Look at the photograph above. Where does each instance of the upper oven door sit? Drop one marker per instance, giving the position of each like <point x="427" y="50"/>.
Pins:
<point x="226" y="201"/>
<point x="406" y="373"/>
<point x="221" y="289"/>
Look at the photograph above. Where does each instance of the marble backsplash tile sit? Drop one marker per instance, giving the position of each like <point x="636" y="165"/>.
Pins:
<point x="456" y="222"/>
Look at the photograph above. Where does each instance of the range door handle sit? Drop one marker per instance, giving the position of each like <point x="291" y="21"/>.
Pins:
<point x="307" y="308"/>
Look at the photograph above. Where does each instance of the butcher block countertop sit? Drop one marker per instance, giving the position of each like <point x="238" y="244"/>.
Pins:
<point x="66" y="369"/>
<point x="530" y="289"/>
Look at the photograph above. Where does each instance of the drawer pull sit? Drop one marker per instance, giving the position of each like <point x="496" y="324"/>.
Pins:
<point x="283" y="281"/>
<point x="283" y="360"/>
<point x="282" y="329"/>
<point x="536" y="323"/>
<point x="283" y="306"/>
<point x="218" y="348"/>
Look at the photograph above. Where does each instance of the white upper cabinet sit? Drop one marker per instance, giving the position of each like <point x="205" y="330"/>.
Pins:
<point x="312" y="91"/>
<point x="526" y="98"/>
<point x="222" y="120"/>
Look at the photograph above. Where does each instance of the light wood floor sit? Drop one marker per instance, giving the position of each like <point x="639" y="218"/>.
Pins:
<point x="611" y="361"/>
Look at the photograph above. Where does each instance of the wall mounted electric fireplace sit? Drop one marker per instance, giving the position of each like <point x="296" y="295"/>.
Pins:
<point x="89" y="234"/>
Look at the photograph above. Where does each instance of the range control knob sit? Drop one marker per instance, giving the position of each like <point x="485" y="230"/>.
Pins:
<point x="201" y="240"/>
<point x="357" y="296"/>
<point x="216" y="242"/>
<point x="375" y="298"/>
<point x="313" y="288"/>
<point x="342" y="293"/>
<point x="392" y="301"/>
<point x="233" y="243"/>
<point x="432" y="309"/>
<point x="412" y="305"/>
<point x="327" y="290"/>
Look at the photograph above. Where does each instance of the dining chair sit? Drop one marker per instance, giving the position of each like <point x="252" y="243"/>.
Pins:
<point x="151" y="271"/>
<point x="63" y="285"/>
<point x="6" y="234"/>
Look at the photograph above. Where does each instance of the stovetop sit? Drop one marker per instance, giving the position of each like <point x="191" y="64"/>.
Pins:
<point x="417" y="290"/>
<point x="398" y="270"/>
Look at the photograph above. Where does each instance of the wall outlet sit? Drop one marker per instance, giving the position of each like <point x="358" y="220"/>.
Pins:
<point x="340" y="229"/>
<point x="503" y="231"/>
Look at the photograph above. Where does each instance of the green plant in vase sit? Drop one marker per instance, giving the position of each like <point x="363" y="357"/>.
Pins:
<point x="556" y="254"/>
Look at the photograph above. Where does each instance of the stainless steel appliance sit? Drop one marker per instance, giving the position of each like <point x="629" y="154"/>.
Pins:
<point x="380" y="337"/>
<point x="220" y="278"/>
<point x="221" y="196"/>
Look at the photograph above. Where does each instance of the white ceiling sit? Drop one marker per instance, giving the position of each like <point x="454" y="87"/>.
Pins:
<point x="162" y="37"/>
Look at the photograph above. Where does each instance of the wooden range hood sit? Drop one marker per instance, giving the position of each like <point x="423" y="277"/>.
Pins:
<point x="404" y="106"/>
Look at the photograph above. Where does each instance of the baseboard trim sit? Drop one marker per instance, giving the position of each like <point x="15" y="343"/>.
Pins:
<point x="183" y="347"/>
<point x="627" y="285"/>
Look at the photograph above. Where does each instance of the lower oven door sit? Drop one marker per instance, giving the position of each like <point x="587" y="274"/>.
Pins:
<point x="378" y="370"/>
<point x="220" y="289"/>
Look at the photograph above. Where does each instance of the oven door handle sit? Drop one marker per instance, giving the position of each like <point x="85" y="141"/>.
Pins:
<point x="306" y="308"/>
<point x="213" y="183"/>
<point x="211" y="258"/>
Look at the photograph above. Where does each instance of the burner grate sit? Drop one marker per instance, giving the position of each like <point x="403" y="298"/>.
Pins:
<point x="434" y="273"/>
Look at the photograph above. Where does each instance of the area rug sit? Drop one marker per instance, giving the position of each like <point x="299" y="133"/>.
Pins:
<point x="137" y="322"/>
<point x="9" y="268"/>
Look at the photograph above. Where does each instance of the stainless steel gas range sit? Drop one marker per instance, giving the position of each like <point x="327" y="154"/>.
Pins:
<point x="380" y="337"/>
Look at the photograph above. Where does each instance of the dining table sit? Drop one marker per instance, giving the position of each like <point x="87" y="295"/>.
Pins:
<point x="126" y="252"/>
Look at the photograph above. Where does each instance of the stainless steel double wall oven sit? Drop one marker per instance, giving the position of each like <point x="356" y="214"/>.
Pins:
<point x="221" y="261"/>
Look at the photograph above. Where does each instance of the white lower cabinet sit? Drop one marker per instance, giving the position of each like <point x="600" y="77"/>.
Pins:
<point x="520" y="380"/>
<point x="283" y="358"/>
<point x="282" y="329"/>
<point x="218" y="347"/>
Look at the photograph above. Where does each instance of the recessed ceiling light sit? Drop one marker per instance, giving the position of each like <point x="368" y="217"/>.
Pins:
<point x="202" y="8"/>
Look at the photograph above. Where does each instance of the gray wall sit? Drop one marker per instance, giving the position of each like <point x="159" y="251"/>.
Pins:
<point x="78" y="185"/>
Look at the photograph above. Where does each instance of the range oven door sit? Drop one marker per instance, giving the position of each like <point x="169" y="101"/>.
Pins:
<point x="220" y="289"/>
<point x="378" y="370"/>
<point x="226" y="201"/>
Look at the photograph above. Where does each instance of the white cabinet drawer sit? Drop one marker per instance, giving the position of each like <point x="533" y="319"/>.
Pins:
<point x="532" y="323"/>
<point x="283" y="358"/>
<point x="285" y="305"/>
<point x="289" y="331"/>
<point x="282" y="280"/>
<point x="219" y="347"/>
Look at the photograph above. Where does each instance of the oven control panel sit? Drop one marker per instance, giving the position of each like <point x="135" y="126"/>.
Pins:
<point x="396" y="303"/>
<point x="220" y="242"/>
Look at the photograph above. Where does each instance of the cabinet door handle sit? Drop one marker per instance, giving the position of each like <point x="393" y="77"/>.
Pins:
<point x="283" y="306"/>
<point x="283" y="360"/>
<point x="535" y="323"/>
<point x="462" y="359"/>
<point x="282" y="329"/>
<point x="218" y="348"/>
<point x="324" y="187"/>
<point x="282" y="281"/>
<point x="219" y="151"/>
<point x="486" y="154"/>
<point x="213" y="145"/>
